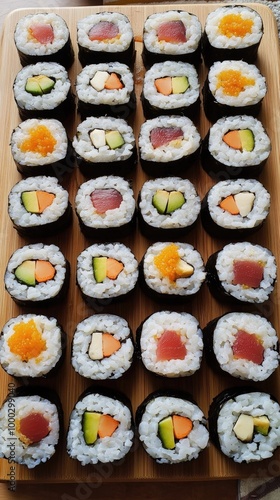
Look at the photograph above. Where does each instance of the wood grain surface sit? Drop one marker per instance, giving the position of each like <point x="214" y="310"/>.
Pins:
<point x="205" y="384"/>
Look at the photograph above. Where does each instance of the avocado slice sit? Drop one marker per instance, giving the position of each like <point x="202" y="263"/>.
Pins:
<point x="25" y="272"/>
<point x="175" y="201"/>
<point x="247" y="140"/>
<point x="97" y="137"/>
<point x="166" y="433"/>
<point x="160" y="200"/>
<point x="244" y="428"/>
<point x="261" y="425"/>
<point x="114" y="139"/>
<point x="39" y="85"/>
<point x="95" y="350"/>
<point x="90" y="426"/>
<point x="30" y="201"/>
<point x="179" y="84"/>
<point x="183" y="269"/>
<point x="99" y="265"/>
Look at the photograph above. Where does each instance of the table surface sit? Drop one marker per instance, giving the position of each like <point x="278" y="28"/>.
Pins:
<point x="198" y="490"/>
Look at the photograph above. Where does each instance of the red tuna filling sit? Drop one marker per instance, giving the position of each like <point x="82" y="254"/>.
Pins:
<point x="161" y="136"/>
<point x="104" y="30"/>
<point x="105" y="199"/>
<point x="170" y="346"/>
<point x="247" y="273"/>
<point x="34" y="427"/>
<point x="172" y="31"/>
<point x="42" y="32"/>
<point x="248" y="346"/>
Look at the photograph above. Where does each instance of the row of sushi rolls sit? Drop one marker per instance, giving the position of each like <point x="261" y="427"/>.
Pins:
<point x="243" y="422"/>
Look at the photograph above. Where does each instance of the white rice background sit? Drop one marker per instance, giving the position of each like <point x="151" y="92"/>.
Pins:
<point x="117" y="44"/>
<point x="186" y="449"/>
<point x="256" y="404"/>
<point x="224" y="337"/>
<point x="187" y="327"/>
<point x="111" y="367"/>
<point x="193" y="32"/>
<point x="106" y="449"/>
<point x="30" y="455"/>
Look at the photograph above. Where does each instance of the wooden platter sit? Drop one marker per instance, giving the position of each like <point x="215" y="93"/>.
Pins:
<point x="137" y="384"/>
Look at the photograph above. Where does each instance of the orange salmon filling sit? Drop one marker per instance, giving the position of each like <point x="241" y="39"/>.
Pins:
<point x="167" y="260"/>
<point x="40" y="141"/>
<point x="235" y="25"/>
<point x="27" y="341"/>
<point x="233" y="82"/>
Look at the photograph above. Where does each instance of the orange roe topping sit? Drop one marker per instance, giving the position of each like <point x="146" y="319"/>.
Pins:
<point x="167" y="260"/>
<point x="233" y="82"/>
<point x="26" y="341"/>
<point x="235" y="25"/>
<point x="40" y="141"/>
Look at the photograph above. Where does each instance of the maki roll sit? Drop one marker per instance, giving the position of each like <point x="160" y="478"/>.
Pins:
<point x="39" y="206"/>
<point x="235" y="208"/>
<point x="171" y="427"/>
<point x="101" y="428"/>
<point x="241" y="272"/>
<point x="231" y="32"/>
<point x="30" y="418"/>
<point x="171" y="87"/>
<point x="244" y="345"/>
<point x="41" y="147"/>
<point x="104" y="146"/>
<point x="170" y="344"/>
<point x="105" y="37"/>
<point x="168" y="207"/>
<point x="172" y="271"/>
<point x="31" y="345"/>
<point x="234" y="147"/>
<point x="37" y="275"/>
<point x="233" y="88"/>
<point x="173" y="35"/>
<point x="43" y="37"/>
<point x="106" y="207"/>
<point x="244" y="424"/>
<point x="106" y="272"/>
<point x="106" y="89"/>
<point x="43" y="90"/>
<point x="102" y="347"/>
<point x="168" y="145"/>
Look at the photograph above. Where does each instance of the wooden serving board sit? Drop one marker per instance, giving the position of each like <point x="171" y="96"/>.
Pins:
<point x="137" y="383"/>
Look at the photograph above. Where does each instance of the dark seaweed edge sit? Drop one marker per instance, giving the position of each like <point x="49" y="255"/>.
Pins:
<point x="91" y="170"/>
<point x="150" y="111"/>
<point x="48" y="229"/>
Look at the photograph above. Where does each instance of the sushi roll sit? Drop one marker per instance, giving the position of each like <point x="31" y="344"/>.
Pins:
<point x="31" y="422"/>
<point x="173" y="35"/>
<point x="105" y="146"/>
<point x="37" y="275"/>
<point x="106" y="207"/>
<point x="170" y="344"/>
<point x="39" y="206"/>
<point x="106" y="89"/>
<point x="244" y="345"/>
<point x="168" y="208"/>
<point x="102" y="347"/>
<point x="101" y="427"/>
<point x="234" y="147"/>
<point x="168" y="145"/>
<point x="32" y="345"/>
<point x="171" y="427"/>
<point x="172" y="271"/>
<point x="171" y="87"/>
<point x="241" y="273"/>
<point x="43" y="90"/>
<point x="106" y="272"/>
<point x="231" y="32"/>
<point x="41" y="147"/>
<point x="105" y="37"/>
<point x="244" y="424"/>
<point x="233" y="88"/>
<point x="43" y="37"/>
<point x="235" y="208"/>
